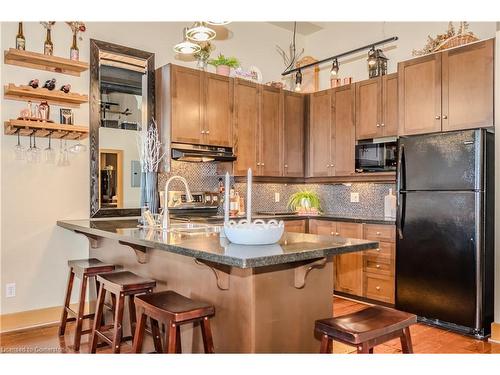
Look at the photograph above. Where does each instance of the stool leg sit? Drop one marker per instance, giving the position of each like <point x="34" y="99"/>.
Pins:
<point x="118" y="329"/>
<point x="155" y="331"/>
<point x="206" y="333"/>
<point x="97" y="287"/>
<point x="363" y="348"/>
<point x="79" y="317"/>
<point x="64" y="314"/>
<point x="406" y="344"/>
<point x="325" y="344"/>
<point x="131" y="314"/>
<point x="97" y="319"/>
<point x="139" y="332"/>
<point x="172" y="339"/>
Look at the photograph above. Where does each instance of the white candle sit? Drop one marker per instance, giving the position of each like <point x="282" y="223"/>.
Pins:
<point x="226" y="198"/>
<point x="249" y="195"/>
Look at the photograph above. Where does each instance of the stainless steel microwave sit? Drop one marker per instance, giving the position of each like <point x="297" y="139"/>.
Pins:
<point x="375" y="156"/>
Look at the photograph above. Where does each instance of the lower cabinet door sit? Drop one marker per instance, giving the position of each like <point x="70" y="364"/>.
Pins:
<point x="297" y="226"/>
<point x="349" y="267"/>
<point x="379" y="287"/>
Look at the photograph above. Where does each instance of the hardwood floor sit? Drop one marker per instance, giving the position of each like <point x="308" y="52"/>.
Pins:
<point x="425" y="339"/>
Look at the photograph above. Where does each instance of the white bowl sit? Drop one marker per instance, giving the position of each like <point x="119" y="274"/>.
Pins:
<point x="256" y="233"/>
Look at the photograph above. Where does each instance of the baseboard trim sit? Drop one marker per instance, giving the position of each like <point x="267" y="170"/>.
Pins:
<point x="495" y="333"/>
<point x="34" y="318"/>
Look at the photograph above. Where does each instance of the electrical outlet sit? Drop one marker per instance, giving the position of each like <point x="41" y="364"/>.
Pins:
<point x="276" y="197"/>
<point x="354" y="197"/>
<point x="10" y="290"/>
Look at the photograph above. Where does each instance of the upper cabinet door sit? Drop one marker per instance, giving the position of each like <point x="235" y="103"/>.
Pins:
<point x="468" y="86"/>
<point x="389" y="123"/>
<point x="368" y="109"/>
<point x="293" y="134"/>
<point x="343" y="121"/>
<point x="271" y="133"/>
<point x="246" y="126"/>
<point x="186" y="105"/>
<point x="420" y="95"/>
<point x="218" y="110"/>
<point x="320" y="134"/>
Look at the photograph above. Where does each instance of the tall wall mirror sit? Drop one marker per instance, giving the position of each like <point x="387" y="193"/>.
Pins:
<point x="121" y="104"/>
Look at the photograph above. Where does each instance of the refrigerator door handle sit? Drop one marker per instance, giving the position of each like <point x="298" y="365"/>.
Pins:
<point x="401" y="214"/>
<point x="401" y="172"/>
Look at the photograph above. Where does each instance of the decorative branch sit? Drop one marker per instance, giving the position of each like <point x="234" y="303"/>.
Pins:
<point x="149" y="145"/>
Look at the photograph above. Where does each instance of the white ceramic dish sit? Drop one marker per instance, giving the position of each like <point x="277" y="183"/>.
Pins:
<point x="257" y="233"/>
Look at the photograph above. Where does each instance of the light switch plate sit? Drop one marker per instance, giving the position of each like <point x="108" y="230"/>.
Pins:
<point x="354" y="197"/>
<point x="276" y="197"/>
<point x="10" y="290"/>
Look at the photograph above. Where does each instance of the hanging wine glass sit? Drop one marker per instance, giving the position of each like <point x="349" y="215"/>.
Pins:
<point x="65" y="161"/>
<point x="79" y="147"/>
<point x="29" y="152"/>
<point x="19" y="149"/>
<point x="49" y="154"/>
<point x="36" y="151"/>
<point x="60" y="154"/>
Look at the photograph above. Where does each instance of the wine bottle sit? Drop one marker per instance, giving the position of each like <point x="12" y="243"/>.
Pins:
<point x="20" y="40"/>
<point x="74" y="53"/>
<point x="48" y="47"/>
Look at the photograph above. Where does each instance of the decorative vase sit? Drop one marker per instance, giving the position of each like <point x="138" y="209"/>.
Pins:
<point x="202" y="64"/>
<point x="149" y="194"/>
<point x="223" y="70"/>
<point x="305" y="203"/>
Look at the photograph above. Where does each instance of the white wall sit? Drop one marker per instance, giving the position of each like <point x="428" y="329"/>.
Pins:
<point x="339" y="37"/>
<point x="34" y="251"/>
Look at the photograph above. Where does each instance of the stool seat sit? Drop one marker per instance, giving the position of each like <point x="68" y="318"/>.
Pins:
<point x="366" y="324"/>
<point x="90" y="266"/>
<point x="125" y="281"/>
<point x="175" y="307"/>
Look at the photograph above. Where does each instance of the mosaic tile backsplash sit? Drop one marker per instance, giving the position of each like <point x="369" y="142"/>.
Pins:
<point x="335" y="198"/>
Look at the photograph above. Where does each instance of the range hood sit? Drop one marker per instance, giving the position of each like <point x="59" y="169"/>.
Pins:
<point x="200" y="153"/>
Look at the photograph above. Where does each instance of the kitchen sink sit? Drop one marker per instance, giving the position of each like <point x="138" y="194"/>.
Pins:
<point x="193" y="228"/>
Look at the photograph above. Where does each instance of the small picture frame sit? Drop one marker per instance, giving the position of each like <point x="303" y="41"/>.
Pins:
<point x="66" y="116"/>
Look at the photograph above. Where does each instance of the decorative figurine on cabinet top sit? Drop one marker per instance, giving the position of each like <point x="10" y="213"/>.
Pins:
<point x="34" y="83"/>
<point x="50" y="84"/>
<point x="66" y="88"/>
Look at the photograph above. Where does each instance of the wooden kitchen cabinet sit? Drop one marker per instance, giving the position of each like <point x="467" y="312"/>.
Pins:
<point x="200" y="105"/>
<point x="270" y="155"/>
<point x="332" y="132"/>
<point x="467" y="84"/>
<point x="320" y="134"/>
<point x="446" y="91"/>
<point x="296" y="226"/>
<point x="345" y="131"/>
<point x="293" y="134"/>
<point x="349" y="267"/>
<point x="186" y="105"/>
<point x="376" y="107"/>
<point x="218" y="110"/>
<point x="246" y="126"/>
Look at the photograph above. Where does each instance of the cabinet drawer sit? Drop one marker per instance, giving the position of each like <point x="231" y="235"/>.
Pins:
<point x="381" y="265"/>
<point x="297" y="226"/>
<point x="385" y="248"/>
<point x="380" y="288"/>
<point x="380" y="232"/>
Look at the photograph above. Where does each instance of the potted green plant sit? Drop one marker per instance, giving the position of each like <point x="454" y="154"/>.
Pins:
<point x="224" y="64"/>
<point x="306" y="201"/>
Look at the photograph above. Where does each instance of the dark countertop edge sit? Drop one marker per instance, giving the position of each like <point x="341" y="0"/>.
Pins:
<point x="224" y="259"/>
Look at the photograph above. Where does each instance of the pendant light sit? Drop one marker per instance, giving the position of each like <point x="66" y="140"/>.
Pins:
<point x="186" y="47"/>
<point x="218" y="23"/>
<point x="200" y="33"/>
<point x="335" y="68"/>
<point x="298" y="81"/>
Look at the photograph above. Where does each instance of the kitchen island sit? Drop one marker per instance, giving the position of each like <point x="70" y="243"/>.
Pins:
<point x="266" y="297"/>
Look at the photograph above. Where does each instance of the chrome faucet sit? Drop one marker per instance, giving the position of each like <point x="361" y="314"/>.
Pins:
<point x="189" y="198"/>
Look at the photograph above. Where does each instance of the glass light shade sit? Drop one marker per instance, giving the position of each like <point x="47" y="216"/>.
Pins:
<point x="186" y="47"/>
<point x="218" y="23"/>
<point x="200" y="33"/>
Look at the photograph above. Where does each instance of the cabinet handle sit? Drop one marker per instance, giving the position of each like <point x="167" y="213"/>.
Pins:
<point x="377" y="249"/>
<point x="337" y="233"/>
<point x="262" y="164"/>
<point x="377" y="287"/>
<point x="207" y="132"/>
<point x="203" y="132"/>
<point x="382" y="124"/>
<point x="378" y="266"/>
<point x="438" y="117"/>
<point x="258" y="164"/>
<point x="286" y="165"/>
<point x="378" y="125"/>
<point x="378" y="233"/>
<point x="445" y="117"/>
<point x="332" y="233"/>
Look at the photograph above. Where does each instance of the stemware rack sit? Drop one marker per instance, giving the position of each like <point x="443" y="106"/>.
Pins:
<point x="44" y="129"/>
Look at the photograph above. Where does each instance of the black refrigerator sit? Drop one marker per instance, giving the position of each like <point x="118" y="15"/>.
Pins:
<point x="445" y="229"/>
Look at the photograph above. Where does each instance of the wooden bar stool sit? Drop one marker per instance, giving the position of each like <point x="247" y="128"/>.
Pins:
<point x="367" y="328"/>
<point x="119" y="284"/>
<point x="173" y="310"/>
<point x="83" y="269"/>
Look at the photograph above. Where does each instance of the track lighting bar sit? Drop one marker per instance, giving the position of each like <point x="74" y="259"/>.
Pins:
<point x="371" y="45"/>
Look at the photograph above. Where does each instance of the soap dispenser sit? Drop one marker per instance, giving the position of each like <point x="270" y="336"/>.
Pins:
<point x="390" y="205"/>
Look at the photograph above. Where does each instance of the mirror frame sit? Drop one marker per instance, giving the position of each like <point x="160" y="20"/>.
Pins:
<point x="95" y="123"/>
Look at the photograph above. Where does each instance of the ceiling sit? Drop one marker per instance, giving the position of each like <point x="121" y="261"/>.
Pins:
<point x="303" y="28"/>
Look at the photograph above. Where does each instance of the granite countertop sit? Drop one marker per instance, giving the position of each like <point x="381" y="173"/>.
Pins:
<point x="292" y="216"/>
<point x="293" y="247"/>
